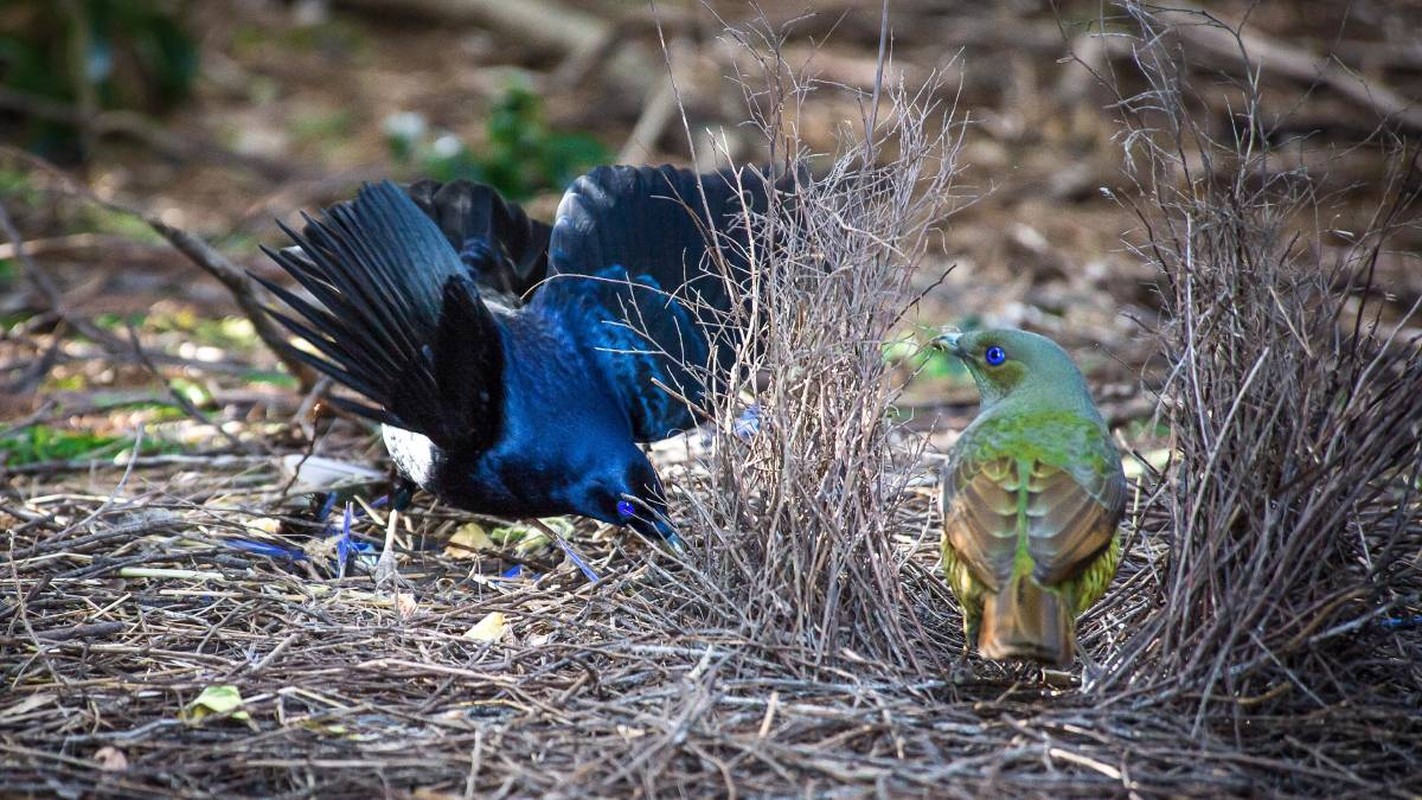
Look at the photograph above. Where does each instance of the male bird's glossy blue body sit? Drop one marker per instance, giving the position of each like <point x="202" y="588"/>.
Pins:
<point x="529" y="402"/>
<point x="537" y="442"/>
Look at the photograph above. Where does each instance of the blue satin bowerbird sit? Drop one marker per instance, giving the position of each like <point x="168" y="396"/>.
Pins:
<point x="515" y="366"/>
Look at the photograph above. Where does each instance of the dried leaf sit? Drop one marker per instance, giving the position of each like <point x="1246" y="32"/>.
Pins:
<point x="489" y="629"/>
<point x="316" y="473"/>
<point x="111" y="759"/>
<point x="405" y="604"/>
<point x="27" y="705"/>
<point x="468" y="542"/>
<point x="225" y="700"/>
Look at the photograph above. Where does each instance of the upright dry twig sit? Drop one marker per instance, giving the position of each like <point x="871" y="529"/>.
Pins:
<point x="798" y="517"/>
<point x="1293" y="405"/>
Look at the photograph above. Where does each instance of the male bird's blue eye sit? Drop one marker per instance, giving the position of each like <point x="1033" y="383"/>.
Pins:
<point x="625" y="508"/>
<point x="994" y="356"/>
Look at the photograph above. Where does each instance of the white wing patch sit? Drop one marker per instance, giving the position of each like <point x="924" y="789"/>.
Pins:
<point x="413" y="453"/>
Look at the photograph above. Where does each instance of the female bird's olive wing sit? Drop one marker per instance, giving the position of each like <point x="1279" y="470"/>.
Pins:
<point x="980" y="513"/>
<point x="1069" y="524"/>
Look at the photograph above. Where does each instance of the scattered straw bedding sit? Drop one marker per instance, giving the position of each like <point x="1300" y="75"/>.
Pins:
<point x="623" y="688"/>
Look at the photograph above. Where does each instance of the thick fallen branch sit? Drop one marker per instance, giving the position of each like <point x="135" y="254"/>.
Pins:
<point x="245" y="291"/>
<point x="1230" y="48"/>
<point x="1273" y="56"/>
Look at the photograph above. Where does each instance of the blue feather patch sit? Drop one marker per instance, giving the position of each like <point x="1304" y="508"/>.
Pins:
<point x="265" y="549"/>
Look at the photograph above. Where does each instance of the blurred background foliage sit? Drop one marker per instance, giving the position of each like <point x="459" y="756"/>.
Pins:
<point x="521" y="155"/>
<point x="61" y="62"/>
<point x="94" y="55"/>
<point x="224" y="115"/>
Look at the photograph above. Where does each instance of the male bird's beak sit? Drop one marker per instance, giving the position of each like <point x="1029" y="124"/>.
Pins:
<point x="673" y="543"/>
<point x="948" y="340"/>
<point x="651" y="526"/>
<point x="664" y="534"/>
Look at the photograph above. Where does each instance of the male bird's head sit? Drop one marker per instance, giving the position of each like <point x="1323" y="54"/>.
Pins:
<point x="1012" y="363"/>
<point x="627" y="491"/>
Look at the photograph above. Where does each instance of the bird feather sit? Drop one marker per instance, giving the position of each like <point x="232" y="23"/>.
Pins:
<point x="397" y="319"/>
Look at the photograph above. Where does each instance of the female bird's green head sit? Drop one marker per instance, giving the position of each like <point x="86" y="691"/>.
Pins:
<point x="1013" y="363"/>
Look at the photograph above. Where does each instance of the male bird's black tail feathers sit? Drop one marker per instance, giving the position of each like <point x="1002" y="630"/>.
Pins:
<point x="659" y="222"/>
<point x="397" y="318"/>
<point x="671" y="229"/>
<point x="506" y="251"/>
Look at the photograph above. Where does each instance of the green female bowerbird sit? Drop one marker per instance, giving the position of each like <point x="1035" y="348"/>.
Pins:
<point x="1032" y="495"/>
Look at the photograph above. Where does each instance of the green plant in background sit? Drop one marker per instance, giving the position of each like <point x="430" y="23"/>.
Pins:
<point x="326" y="129"/>
<point x="520" y="157"/>
<point x="37" y="443"/>
<point x="93" y="55"/>
<point x="910" y="350"/>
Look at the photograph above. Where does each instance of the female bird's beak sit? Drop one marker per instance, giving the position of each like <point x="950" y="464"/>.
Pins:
<point x="948" y="340"/>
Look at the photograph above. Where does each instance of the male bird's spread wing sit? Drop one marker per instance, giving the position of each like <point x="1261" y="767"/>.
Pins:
<point x="627" y="273"/>
<point x="634" y="276"/>
<point x="397" y="318"/>
<point x="505" y="250"/>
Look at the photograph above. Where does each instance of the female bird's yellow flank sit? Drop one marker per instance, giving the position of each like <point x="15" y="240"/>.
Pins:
<point x="1032" y="496"/>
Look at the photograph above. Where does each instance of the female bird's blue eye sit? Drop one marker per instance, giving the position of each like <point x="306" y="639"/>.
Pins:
<point x="994" y="356"/>
<point x="625" y="508"/>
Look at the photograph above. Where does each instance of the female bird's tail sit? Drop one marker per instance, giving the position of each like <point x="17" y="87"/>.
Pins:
<point x="1025" y="621"/>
